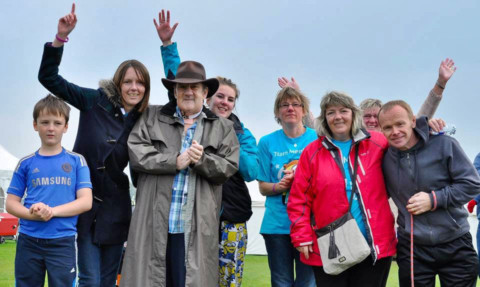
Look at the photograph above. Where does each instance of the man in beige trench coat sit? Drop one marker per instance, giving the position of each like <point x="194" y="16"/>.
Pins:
<point x="183" y="154"/>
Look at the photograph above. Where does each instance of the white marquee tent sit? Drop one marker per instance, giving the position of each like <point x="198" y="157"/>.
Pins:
<point x="8" y="162"/>
<point x="256" y="244"/>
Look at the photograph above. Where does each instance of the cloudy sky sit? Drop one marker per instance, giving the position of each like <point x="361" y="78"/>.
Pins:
<point x="379" y="49"/>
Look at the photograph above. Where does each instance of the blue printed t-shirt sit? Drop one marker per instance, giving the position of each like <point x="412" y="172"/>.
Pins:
<point x="355" y="210"/>
<point x="275" y="151"/>
<point x="53" y="180"/>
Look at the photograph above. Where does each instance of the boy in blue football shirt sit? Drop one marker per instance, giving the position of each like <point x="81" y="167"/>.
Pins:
<point x="58" y="188"/>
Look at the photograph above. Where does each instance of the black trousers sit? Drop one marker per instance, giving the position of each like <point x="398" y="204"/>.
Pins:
<point x="176" y="270"/>
<point x="455" y="262"/>
<point x="364" y="274"/>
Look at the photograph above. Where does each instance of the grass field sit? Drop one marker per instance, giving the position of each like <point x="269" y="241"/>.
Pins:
<point x="7" y="258"/>
<point x="256" y="273"/>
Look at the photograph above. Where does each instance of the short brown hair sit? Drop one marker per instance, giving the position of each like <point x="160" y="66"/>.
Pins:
<point x="291" y="93"/>
<point x="51" y="105"/>
<point x="336" y="98"/>
<point x="388" y="106"/>
<point x="229" y="83"/>
<point x="142" y="74"/>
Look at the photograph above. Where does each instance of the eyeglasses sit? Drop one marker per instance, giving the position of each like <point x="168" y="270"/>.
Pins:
<point x="294" y="105"/>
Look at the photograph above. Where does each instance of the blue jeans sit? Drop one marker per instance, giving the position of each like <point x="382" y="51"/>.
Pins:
<point x="97" y="264"/>
<point x="281" y="255"/>
<point x="34" y="256"/>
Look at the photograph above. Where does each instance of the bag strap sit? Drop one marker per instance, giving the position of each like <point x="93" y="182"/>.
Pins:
<point x="353" y="177"/>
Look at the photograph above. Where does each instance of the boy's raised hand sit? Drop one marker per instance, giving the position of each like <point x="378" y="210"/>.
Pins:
<point x="67" y="23"/>
<point x="165" y="32"/>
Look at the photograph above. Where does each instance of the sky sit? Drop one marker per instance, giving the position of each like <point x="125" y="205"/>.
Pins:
<point x="377" y="49"/>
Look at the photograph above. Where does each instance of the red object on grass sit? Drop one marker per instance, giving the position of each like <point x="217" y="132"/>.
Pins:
<point x="8" y="224"/>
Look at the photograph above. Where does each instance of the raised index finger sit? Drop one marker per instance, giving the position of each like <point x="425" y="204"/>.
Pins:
<point x="73" y="8"/>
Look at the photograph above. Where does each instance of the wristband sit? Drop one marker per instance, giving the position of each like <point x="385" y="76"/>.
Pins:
<point x="440" y="86"/>
<point x="61" y="40"/>
<point x="273" y="189"/>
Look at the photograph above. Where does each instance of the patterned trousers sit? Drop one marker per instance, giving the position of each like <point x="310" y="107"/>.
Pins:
<point x="232" y="249"/>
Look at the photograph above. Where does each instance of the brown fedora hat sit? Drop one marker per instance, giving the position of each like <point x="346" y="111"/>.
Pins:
<point x="191" y="72"/>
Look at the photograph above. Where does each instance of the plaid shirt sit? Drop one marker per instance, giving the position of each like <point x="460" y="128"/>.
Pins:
<point x="180" y="186"/>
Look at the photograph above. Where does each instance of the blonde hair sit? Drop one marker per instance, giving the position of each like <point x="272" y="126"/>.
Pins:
<point x="228" y="82"/>
<point x="335" y="98"/>
<point x="291" y="93"/>
<point x="370" y="103"/>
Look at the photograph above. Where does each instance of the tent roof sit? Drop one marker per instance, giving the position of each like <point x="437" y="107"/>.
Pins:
<point x="7" y="160"/>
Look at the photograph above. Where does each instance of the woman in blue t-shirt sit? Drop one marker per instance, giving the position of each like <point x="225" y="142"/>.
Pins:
<point x="278" y="153"/>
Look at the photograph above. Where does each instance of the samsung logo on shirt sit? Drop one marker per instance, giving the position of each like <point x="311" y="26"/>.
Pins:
<point x="59" y="180"/>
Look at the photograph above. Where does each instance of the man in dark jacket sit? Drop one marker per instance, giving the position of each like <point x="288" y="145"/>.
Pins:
<point x="429" y="178"/>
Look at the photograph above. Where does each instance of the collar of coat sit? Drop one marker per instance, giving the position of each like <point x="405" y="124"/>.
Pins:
<point x="422" y="129"/>
<point x="237" y="125"/>
<point x="170" y="109"/>
<point x="361" y="135"/>
<point x="113" y="95"/>
<point x="111" y="92"/>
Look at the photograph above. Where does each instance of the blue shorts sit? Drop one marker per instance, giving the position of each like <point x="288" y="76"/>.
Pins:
<point x="36" y="255"/>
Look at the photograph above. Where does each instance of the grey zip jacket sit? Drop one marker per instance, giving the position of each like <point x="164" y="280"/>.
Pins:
<point x="436" y="163"/>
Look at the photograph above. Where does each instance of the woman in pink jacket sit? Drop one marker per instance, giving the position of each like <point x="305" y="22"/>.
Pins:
<point x="323" y="185"/>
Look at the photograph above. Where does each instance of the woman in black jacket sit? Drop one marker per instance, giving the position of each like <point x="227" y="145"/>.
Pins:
<point x="107" y="115"/>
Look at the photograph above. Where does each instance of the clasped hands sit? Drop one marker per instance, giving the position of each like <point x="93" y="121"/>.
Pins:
<point x="190" y="156"/>
<point x="286" y="182"/>
<point x="41" y="211"/>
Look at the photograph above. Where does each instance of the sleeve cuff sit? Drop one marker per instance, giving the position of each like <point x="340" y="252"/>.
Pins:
<point x="169" y="47"/>
<point x="433" y="200"/>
